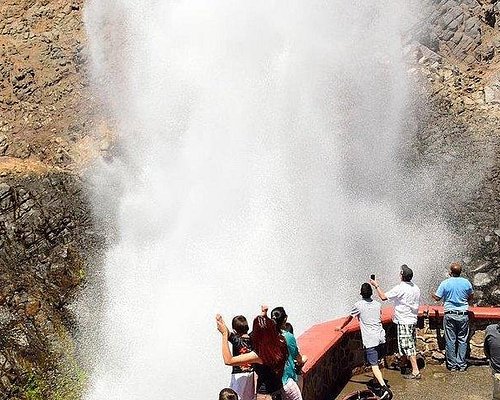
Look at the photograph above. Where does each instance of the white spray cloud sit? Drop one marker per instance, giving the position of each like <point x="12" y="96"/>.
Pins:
<point x="259" y="165"/>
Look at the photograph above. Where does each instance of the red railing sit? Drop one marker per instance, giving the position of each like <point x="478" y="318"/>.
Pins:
<point x="320" y="339"/>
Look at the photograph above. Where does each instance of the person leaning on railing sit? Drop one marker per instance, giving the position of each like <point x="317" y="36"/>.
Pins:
<point x="492" y="351"/>
<point x="368" y="312"/>
<point x="456" y="293"/>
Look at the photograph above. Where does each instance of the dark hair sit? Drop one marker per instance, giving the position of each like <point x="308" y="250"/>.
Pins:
<point x="279" y="316"/>
<point x="366" y="291"/>
<point x="240" y="325"/>
<point x="289" y="327"/>
<point x="228" y="394"/>
<point x="269" y="344"/>
<point x="406" y="273"/>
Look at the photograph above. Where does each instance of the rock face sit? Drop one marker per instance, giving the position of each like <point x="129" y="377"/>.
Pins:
<point x="456" y="55"/>
<point x="45" y="133"/>
<point x="44" y="230"/>
<point x="45" y="104"/>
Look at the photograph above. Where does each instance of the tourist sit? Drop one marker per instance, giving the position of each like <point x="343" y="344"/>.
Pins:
<point x="406" y="298"/>
<point x="291" y="389"/>
<point x="268" y="356"/>
<point x="492" y="351"/>
<point x="242" y="376"/>
<point x="228" y="394"/>
<point x="372" y="333"/>
<point x="456" y="293"/>
<point x="298" y="365"/>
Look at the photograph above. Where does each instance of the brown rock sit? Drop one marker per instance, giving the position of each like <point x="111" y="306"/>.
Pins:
<point x="32" y="308"/>
<point x="438" y="356"/>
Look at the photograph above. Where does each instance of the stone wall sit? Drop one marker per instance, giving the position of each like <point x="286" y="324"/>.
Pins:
<point x="431" y="343"/>
<point x="333" y="357"/>
<point x="328" y="377"/>
<point x="46" y="244"/>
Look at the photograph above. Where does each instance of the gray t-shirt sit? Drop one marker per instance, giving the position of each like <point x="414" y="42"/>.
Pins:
<point x="368" y="313"/>
<point x="492" y="346"/>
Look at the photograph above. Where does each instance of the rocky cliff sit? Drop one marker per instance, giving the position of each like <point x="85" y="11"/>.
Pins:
<point x="49" y="131"/>
<point x="457" y="55"/>
<point x="46" y="107"/>
<point x="46" y="238"/>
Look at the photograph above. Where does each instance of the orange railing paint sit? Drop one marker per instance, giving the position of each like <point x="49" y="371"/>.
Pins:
<point x="318" y="339"/>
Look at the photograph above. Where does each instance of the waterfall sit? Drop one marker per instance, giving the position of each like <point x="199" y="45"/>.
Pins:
<point x="260" y="161"/>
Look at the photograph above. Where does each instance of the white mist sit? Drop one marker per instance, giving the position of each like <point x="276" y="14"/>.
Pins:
<point x="260" y="145"/>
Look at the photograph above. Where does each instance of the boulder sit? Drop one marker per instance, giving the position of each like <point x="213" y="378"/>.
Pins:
<point x="483" y="279"/>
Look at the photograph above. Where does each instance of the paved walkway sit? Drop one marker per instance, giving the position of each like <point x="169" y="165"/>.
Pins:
<point x="437" y="383"/>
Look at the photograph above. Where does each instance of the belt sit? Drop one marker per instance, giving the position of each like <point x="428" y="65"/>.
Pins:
<point x="457" y="312"/>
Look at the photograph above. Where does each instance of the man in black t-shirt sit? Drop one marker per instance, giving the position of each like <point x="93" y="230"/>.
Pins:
<point x="242" y="377"/>
<point x="241" y="344"/>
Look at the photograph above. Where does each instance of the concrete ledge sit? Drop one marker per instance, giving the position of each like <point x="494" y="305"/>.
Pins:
<point x="332" y="355"/>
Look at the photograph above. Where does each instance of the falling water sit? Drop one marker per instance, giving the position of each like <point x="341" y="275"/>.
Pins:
<point x="260" y="148"/>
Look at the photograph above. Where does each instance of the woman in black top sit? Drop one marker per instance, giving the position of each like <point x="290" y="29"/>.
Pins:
<point x="269" y="355"/>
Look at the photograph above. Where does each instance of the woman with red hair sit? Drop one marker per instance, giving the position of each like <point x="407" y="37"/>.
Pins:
<point x="269" y="355"/>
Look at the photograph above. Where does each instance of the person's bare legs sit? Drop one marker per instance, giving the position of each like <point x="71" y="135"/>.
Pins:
<point x="378" y="375"/>
<point x="413" y="361"/>
<point x="414" y="365"/>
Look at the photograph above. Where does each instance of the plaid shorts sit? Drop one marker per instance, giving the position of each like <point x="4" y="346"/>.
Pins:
<point x="407" y="339"/>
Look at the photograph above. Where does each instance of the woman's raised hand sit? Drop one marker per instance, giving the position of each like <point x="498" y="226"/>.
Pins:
<point x="221" y="326"/>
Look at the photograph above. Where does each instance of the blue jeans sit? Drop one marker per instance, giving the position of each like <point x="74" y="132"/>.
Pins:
<point x="456" y="332"/>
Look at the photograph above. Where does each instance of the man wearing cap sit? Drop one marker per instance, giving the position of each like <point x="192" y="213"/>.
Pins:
<point x="492" y="351"/>
<point x="456" y="293"/>
<point x="406" y="298"/>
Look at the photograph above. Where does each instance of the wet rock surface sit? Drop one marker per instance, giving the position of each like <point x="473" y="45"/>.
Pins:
<point x="455" y="58"/>
<point x="46" y="243"/>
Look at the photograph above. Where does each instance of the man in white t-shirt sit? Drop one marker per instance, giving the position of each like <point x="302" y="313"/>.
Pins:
<point x="406" y="298"/>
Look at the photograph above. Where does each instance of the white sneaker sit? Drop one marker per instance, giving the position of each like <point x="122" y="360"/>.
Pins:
<point x="386" y="394"/>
